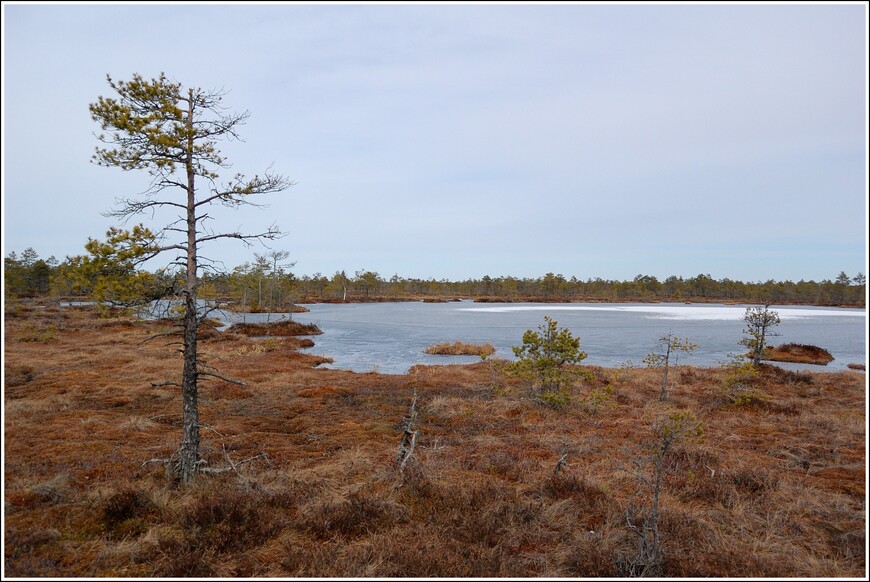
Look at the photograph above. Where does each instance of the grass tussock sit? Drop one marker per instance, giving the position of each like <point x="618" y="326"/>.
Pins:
<point x="798" y="353"/>
<point x="277" y="328"/>
<point x="499" y="484"/>
<point x="459" y="348"/>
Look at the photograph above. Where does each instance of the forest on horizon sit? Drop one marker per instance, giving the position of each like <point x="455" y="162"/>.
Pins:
<point x="267" y="283"/>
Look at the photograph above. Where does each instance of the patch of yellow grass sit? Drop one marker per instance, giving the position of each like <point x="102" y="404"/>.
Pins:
<point x="459" y="348"/>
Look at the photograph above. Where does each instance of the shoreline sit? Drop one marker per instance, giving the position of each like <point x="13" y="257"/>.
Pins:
<point x="539" y="300"/>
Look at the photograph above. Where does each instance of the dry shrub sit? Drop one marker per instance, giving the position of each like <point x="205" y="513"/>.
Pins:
<point x="442" y="504"/>
<point x="565" y="485"/>
<point x="682" y="532"/>
<point x="36" y="334"/>
<point x="712" y="559"/>
<point x="127" y="513"/>
<point x="350" y="517"/>
<point x="423" y="553"/>
<point x="418" y="486"/>
<point x="301" y="558"/>
<point x="30" y="539"/>
<point x="785" y="408"/>
<point x="52" y="491"/>
<point x="851" y="545"/>
<point x="230" y="520"/>
<point x="180" y="558"/>
<point x="753" y="482"/>
<point x="596" y="377"/>
<point x="14" y="376"/>
<point x="487" y="514"/>
<point x="689" y="376"/>
<point x="23" y="552"/>
<point x="507" y="463"/>
<point x="777" y="374"/>
<point x="727" y="488"/>
<point x="591" y="553"/>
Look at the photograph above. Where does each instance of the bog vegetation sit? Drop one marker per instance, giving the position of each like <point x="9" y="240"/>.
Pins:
<point x="459" y="348"/>
<point x="743" y="471"/>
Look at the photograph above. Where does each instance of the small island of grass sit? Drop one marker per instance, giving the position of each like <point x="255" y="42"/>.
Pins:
<point x="461" y="349"/>
<point x="798" y="353"/>
<point x="276" y="328"/>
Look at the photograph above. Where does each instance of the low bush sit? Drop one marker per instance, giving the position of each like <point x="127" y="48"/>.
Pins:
<point x="126" y="513"/>
<point x="229" y="520"/>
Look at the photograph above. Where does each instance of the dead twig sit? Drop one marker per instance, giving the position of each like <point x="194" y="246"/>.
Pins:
<point x="159" y="384"/>
<point x="562" y="462"/>
<point x="233" y="466"/>
<point x="409" y="437"/>
<point x="162" y="461"/>
<point x="219" y="377"/>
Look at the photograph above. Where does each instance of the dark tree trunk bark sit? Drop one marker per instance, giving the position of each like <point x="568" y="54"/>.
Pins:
<point x="189" y="451"/>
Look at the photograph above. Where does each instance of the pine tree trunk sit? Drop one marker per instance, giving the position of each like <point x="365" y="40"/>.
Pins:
<point x="189" y="450"/>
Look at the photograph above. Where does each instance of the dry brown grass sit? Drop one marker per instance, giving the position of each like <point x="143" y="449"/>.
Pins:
<point x="775" y="487"/>
<point x="459" y="348"/>
<point x="798" y="353"/>
<point x="276" y="328"/>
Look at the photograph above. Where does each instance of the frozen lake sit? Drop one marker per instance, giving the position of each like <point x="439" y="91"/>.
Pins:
<point x="391" y="337"/>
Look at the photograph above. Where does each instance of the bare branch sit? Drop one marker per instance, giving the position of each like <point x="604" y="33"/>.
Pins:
<point x="165" y="415"/>
<point x="233" y="466"/>
<point x="270" y="234"/>
<point x="131" y="207"/>
<point x="161" y="461"/>
<point x="211" y="428"/>
<point x="159" y="335"/>
<point x="219" y="377"/>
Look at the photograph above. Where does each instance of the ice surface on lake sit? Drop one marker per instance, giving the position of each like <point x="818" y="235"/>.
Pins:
<point x="679" y="312"/>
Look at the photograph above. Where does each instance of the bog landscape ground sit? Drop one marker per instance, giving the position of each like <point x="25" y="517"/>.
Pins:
<point x="498" y="484"/>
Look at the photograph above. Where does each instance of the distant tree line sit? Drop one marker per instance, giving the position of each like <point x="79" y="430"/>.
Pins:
<point x="843" y="290"/>
<point x="267" y="284"/>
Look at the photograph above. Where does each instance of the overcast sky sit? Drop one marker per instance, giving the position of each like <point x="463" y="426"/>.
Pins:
<point x="456" y="141"/>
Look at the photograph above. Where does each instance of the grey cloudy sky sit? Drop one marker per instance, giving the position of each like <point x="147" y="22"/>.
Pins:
<point x="456" y="141"/>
